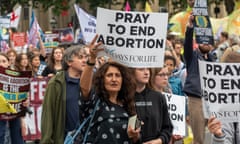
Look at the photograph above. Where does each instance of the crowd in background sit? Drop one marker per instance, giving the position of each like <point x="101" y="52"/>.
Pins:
<point x="121" y="92"/>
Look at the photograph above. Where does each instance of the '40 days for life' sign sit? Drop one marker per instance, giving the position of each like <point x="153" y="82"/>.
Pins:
<point x="220" y="83"/>
<point x="135" y="39"/>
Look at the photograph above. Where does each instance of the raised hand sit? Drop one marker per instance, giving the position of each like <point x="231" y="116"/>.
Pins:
<point x="94" y="49"/>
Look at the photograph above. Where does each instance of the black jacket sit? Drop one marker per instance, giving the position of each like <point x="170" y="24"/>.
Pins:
<point x="152" y="109"/>
<point x="192" y="85"/>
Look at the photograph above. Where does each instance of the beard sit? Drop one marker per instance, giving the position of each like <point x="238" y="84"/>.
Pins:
<point x="204" y="50"/>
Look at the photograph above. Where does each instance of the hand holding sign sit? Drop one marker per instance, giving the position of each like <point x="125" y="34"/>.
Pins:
<point x="214" y="126"/>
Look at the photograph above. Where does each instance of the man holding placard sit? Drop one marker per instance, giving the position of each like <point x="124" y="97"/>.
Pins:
<point x="200" y="23"/>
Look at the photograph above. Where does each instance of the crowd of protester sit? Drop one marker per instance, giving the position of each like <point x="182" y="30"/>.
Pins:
<point x="79" y="81"/>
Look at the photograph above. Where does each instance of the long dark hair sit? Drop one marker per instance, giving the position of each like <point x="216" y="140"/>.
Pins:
<point x="127" y="91"/>
<point x="18" y="62"/>
<point x="51" y="60"/>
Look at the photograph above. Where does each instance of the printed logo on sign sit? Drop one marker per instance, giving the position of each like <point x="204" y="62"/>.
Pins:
<point x="201" y="21"/>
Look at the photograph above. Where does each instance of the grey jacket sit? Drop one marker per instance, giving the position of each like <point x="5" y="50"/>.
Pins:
<point x="229" y="135"/>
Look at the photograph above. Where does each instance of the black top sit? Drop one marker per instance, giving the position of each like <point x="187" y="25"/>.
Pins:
<point x="48" y="70"/>
<point x="152" y="109"/>
<point x="109" y="124"/>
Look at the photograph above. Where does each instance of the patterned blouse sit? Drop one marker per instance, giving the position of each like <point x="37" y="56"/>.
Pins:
<point x="109" y="125"/>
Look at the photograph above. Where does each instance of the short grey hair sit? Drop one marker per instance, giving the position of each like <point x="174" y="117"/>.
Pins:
<point x="234" y="39"/>
<point x="71" y="51"/>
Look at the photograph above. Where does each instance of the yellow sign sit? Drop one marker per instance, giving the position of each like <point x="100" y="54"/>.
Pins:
<point x="6" y="107"/>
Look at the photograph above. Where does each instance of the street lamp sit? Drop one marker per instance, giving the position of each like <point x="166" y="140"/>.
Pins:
<point x="53" y="22"/>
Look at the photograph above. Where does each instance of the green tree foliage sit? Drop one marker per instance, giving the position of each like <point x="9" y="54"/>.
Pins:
<point x="6" y="6"/>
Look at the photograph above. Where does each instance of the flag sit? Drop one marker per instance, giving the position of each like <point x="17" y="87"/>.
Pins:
<point x="15" y="17"/>
<point x="147" y="7"/>
<point x="127" y="7"/>
<point x="87" y="24"/>
<point x="34" y="31"/>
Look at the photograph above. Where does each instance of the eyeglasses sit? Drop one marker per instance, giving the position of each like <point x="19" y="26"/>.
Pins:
<point x="163" y="74"/>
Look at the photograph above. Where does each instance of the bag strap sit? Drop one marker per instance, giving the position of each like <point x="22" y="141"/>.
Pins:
<point x="92" y="116"/>
<point x="81" y="126"/>
<point x="85" y="121"/>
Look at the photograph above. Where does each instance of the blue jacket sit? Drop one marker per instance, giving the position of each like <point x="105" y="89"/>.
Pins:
<point x="176" y="85"/>
<point x="192" y="85"/>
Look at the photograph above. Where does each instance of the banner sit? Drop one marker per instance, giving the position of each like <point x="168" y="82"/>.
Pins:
<point x="4" y="34"/>
<point x="51" y="36"/>
<point x="202" y="24"/>
<point x="66" y="35"/>
<point x="33" y="121"/>
<point x="87" y="24"/>
<point x="135" y="39"/>
<point x="51" y="40"/>
<point x="14" y="87"/>
<point x="19" y="39"/>
<point x="177" y="112"/>
<point x="220" y="83"/>
<point x="4" y="38"/>
<point x="4" y="22"/>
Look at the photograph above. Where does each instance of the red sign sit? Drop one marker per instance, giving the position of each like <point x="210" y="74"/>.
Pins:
<point x="32" y="123"/>
<point x="19" y="39"/>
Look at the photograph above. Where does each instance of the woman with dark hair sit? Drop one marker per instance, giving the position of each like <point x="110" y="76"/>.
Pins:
<point x="12" y="54"/>
<point x="22" y="62"/>
<point x="54" y="62"/>
<point x="37" y="67"/>
<point x="114" y="88"/>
